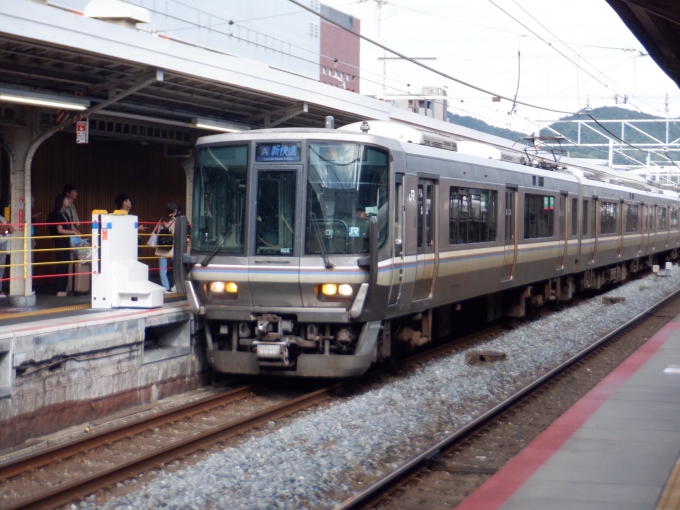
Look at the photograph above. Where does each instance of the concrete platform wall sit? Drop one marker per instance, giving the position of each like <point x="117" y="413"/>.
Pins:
<point x="56" y="373"/>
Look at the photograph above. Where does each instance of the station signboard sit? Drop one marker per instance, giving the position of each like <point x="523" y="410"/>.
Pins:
<point x="82" y="131"/>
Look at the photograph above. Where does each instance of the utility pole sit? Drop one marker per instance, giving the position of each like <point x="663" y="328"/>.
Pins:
<point x="380" y="3"/>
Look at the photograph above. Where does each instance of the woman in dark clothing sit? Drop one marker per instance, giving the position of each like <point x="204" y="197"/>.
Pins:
<point x="64" y="231"/>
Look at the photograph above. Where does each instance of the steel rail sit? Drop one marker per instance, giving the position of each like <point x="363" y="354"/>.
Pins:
<point x="373" y="491"/>
<point x="78" y="489"/>
<point x="63" y="451"/>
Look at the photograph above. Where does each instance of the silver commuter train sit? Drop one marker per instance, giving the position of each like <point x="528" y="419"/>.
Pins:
<point x="317" y="252"/>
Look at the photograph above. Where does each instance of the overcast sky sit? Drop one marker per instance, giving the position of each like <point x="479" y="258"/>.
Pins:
<point x="475" y="41"/>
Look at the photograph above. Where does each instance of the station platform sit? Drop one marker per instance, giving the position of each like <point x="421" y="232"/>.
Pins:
<point x="48" y="305"/>
<point x="617" y="448"/>
<point x="63" y="363"/>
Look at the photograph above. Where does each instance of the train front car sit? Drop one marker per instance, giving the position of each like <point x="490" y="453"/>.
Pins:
<point x="288" y="231"/>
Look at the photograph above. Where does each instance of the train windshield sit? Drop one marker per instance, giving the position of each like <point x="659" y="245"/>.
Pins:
<point x="220" y="199"/>
<point x="347" y="184"/>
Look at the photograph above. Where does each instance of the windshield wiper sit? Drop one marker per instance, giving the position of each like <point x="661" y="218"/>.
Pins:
<point x="315" y="226"/>
<point x="210" y="255"/>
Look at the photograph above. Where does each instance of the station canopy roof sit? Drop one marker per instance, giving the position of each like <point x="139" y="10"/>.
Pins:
<point x="51" y="51"/>
<point x="656" y="24"/>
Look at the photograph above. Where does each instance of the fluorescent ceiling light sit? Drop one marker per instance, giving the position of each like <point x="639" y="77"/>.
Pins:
<point x="217" y="125"/>
<point x="39" y="99"/>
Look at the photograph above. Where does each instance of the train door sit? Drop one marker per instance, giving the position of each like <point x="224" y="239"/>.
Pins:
<point x="646" y="229"/>
<point x="654" y="226"/>
<point x="666" y="226"/>
<point x="398" y="254"/>
<point x="425" y="225"/>
<point x="563" y="231"/>
<point x="596" y="227"/>
<point x="621" y="225"/>
<point x="510" y="237"/>
<point x="586" y="247"/>
<point x="274" y="273"/>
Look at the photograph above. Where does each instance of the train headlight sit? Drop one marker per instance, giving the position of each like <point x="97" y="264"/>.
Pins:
<point x="335" y="292"/>
<point x="217" y="287"/>
<point x="329" y="289"/>
<point x="345" y="290"/>
<point x="222" y="289"/>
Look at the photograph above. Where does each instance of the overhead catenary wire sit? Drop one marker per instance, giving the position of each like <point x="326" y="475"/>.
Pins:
<point x="559" y="51"/>
<point x="629" y="144"/>
<point x="425" y="66"/>
<point x="441" y="16"/>
<point x="571" y="49"/>
<point x="470" y="85"/>
<point x="363" y="71"/>
<point x="513" y="100"/>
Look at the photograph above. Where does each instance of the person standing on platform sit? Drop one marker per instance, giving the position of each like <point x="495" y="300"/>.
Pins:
<point x="124" y="203"/>
<point x="61" y="228"/>
<point x="72" y="193"/>
<point x="5" y="232"/>
<point x="165" y="252"/>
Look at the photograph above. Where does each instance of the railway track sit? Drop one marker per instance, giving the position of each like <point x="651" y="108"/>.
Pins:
<point x="442" y="475"/>
<point x="73" y="490"/>
<point x="79" y="487"/>
<point x="117" y="470"/>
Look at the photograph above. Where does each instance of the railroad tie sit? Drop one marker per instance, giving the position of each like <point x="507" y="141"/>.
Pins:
<point x="474" y="357"/>
<point x="612" y="300"/>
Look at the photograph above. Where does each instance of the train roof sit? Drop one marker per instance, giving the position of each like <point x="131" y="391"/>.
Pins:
<point x="413" y="140"/>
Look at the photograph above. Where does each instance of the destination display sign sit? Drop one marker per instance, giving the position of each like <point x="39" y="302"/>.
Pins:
<point x="271" y="152"/>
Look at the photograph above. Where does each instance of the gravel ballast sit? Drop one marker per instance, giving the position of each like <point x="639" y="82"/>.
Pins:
<point x="322" y="451"/>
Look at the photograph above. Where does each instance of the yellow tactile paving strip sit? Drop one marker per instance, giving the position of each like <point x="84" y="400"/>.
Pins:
<point x="670" y="499"/>
<point x="45" y="311"/>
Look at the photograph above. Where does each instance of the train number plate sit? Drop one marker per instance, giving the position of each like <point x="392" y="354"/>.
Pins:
<point x="269" y="351"/>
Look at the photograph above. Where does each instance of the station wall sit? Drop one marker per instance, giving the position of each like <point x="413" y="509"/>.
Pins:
<point x="101" y="170"/>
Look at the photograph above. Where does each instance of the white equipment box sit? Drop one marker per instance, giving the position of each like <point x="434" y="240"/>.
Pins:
<point x="119" y="280"/>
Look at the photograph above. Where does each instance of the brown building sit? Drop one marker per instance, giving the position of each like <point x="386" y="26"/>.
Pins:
<point x="340" y="50"/>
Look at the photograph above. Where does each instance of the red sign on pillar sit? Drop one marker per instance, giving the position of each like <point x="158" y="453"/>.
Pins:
<point x="81" y="131"/>
<point x="21" y="220"/>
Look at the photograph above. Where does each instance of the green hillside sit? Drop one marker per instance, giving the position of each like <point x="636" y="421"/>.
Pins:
<point x="570" y="131"/>
<point x="632" y="136"/>
<point x="480" y="125"/>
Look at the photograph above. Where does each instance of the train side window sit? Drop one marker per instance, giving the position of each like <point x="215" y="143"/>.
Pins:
<point x="398" y="215"/>
<point x="539" y="216"/>
<point x="608" y="215"/>
<point x="473" y="215"/>
<point x="674" y="219"/>
<point x="646" y="218"/>
<point x="574" y="216"/>
<point x="632" y="212"/>
<point x="594" y="216"/>
<point x="585" y="218"/>
<point x="429" y="234"/>
<point x="661" y="218"/>
<point x="421" y="206"/>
